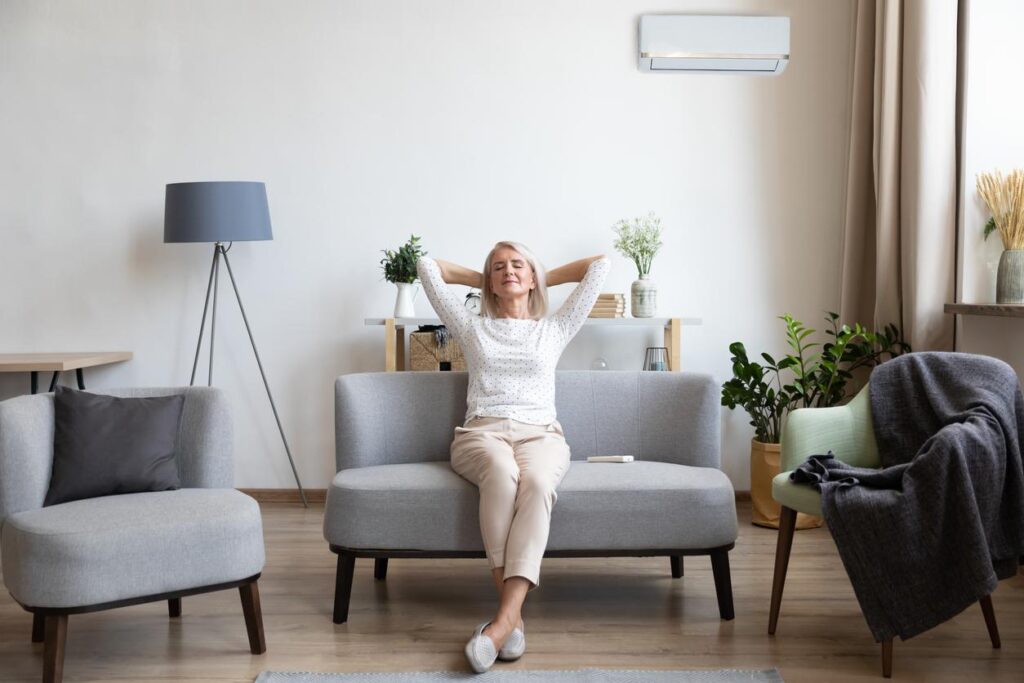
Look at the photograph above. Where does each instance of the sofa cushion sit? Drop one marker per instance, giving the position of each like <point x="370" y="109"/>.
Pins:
<point x="105" y="445"/>
<point x="100" y="550"/>
<point x="642" y="505"/>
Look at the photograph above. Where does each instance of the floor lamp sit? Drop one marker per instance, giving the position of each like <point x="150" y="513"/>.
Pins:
<point x="222" y="212"/>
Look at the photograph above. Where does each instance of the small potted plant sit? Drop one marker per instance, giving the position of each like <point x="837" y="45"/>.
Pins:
<point x="639" y="240"/>
<point x="804" y="378"/>
<point x="1005" y="200"/>
<point x="400" y="268"/>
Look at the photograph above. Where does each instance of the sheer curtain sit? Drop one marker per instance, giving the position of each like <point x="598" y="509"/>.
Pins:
<point x="899" y="244"/>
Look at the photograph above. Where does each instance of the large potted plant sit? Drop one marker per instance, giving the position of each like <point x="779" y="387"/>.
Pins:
<point x="811" y="375"/>
<point x="400" y="268"/>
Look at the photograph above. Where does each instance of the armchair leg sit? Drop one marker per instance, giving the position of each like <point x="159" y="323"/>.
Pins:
<point x="723" y="583"/>
<point x="38" y="628"/>
<point x="380" y="568"/>
<point x="677" y="566"/>
<point x="343" y="586"/>
<point x="887" y="658"/>
<point x="250" y="593"/>
<point x="53" y="649"/>
<point x="990" y="621"/>
<point x="787" y="525"/>
<point x="174" y="608"/>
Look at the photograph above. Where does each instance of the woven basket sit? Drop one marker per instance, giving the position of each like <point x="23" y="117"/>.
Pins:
<point x="425" y="354"/>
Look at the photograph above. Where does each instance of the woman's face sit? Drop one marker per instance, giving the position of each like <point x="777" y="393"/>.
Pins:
<point x="511" y="275"/>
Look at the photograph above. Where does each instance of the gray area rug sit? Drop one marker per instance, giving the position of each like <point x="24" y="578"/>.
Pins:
<point x="577" y="676"/>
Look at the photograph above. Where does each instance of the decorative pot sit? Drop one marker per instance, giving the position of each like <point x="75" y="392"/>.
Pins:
<point x="1010" y="277"/>
<point x="407" y="292"/>
<point x="765" y="464"/>
<point x="644" y="297"/>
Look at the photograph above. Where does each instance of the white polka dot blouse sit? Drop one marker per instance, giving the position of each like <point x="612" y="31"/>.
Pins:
<point x="511" y="362"/>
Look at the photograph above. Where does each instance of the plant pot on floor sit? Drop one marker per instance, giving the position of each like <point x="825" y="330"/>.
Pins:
<point x="765" y="465"/>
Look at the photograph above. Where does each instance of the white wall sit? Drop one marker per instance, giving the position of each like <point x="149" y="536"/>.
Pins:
<point x="993" y="138"/>
<point x="462" y="121"/>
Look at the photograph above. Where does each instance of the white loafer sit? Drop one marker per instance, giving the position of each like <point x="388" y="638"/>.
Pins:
<point x="514" y="647"/>
<point x="480" y="651"/>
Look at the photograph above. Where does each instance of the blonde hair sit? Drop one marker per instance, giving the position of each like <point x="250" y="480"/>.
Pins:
<point x="538" y="301"/>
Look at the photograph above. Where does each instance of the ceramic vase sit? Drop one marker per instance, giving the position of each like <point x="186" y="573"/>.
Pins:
<point x="1010" y="277"/>
<point x="644" y="298"/>
<point x="404" y="307"/>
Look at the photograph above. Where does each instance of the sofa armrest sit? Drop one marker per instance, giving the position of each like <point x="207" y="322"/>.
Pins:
<point x="26" y="452"/>
<point x="847" y="431"/>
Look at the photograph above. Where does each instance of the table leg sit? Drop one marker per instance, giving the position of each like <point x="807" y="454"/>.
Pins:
<point x="81" y="378"/>
<point x="400" y="347"/>
<point x="390" y="352"/>
<point x="35" y="382"/>
<point x="53" y="382"/>
<point x="672" y="342"/>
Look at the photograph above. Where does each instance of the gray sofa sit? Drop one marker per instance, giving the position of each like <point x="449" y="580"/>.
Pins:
<point x="395" y="495"/>
<point x="114" y="551"/>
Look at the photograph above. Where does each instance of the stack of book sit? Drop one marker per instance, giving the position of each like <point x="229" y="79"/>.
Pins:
<point x="609" y="306"/>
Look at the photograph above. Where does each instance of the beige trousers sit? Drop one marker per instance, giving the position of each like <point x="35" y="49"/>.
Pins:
<point x="517" y="467"/>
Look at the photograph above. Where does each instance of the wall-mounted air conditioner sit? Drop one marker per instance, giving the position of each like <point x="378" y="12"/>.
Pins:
<point x="713" y="44"/>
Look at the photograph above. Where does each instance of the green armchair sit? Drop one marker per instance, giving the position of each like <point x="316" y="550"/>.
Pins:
<point x="847" y="431"/>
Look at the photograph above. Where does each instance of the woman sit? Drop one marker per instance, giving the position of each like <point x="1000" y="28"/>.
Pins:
<point x="511" y="446"/>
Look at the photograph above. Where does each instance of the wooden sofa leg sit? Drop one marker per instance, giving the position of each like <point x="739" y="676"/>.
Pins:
<point x="343" y="586"/>
<point x="887" y="658"/>
<point x="250" y="593"/>
<point x="723" y="583"/>
<point x="990" y="621"/>
<point x="380" y="568"/>
<point x="38" y="628"/>
<point x="677" y="566"/>
<point x="53" y="649"/>
<point x="174" y="608"/>
<point x="787" y="525"/>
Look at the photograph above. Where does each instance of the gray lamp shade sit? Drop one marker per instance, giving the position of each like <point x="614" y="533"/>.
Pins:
<point x="227" y="211"/>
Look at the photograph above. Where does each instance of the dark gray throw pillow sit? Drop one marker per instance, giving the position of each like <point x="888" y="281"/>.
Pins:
<point x="104" y="445"/>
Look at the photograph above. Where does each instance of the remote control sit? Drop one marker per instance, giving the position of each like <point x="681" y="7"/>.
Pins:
<point x="610" y="458"/>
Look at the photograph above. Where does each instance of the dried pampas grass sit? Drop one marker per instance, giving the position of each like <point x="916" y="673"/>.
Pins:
<point x="1005" y="200"/>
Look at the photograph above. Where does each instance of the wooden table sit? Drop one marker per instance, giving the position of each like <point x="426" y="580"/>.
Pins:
<point x="58" y="363"/>
<point x="394" y="334"/>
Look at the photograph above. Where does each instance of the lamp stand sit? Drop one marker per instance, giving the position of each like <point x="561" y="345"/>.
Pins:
<point x="220" y="252"/>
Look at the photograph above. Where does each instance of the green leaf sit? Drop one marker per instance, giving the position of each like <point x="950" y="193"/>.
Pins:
<point x="990" y="227"/>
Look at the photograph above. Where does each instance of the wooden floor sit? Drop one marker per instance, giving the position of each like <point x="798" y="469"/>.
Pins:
<point x="621" y="613"/>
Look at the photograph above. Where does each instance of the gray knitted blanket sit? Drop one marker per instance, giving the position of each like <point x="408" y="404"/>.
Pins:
<point x="933" y="530"/>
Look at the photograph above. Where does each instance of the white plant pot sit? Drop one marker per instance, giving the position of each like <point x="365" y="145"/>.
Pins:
<point x="404" y="307"/>
<point x="644" y="298"/>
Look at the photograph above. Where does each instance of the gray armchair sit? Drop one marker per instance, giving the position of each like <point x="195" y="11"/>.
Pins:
<point x="113" y="551"/>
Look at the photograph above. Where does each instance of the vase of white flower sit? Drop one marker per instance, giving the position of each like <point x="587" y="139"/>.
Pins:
<point x="643" y="297"/>
<point x="639" y="240"/>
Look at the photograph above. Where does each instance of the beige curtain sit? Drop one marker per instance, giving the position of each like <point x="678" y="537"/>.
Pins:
<point x="899" y="243"/>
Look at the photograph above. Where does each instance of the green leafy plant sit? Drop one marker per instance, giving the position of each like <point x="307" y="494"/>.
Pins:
<point x="812" y="375"/>
<point x="990" y="227"/>
<point x="400" y="266"/>
<point x="639" y="240"/>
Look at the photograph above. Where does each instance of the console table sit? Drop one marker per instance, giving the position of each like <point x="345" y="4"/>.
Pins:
<point x="394" y="334"/>
<point x="57" y="363"/>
